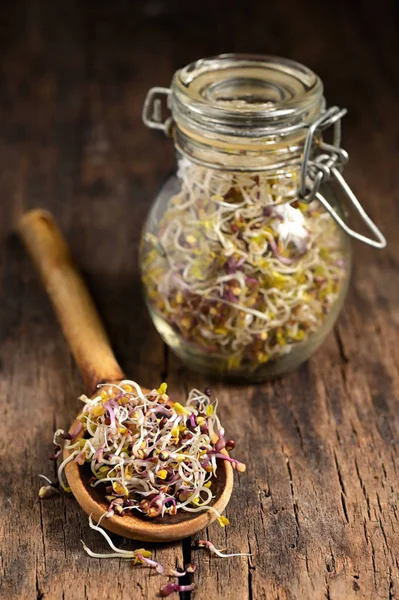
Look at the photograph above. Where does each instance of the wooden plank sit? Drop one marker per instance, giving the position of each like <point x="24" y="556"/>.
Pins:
<point x="318" y="505"/>
<point x="87" y="171"/>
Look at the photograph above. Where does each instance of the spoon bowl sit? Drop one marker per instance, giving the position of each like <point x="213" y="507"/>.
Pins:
<point x="134" y="524"/>
<point x="91" y="348"/>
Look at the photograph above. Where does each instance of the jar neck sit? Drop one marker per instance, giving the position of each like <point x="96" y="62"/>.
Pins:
<point x="272" y="153"/>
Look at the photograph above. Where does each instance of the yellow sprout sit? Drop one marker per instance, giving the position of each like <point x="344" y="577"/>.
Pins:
<point x="162" y="389"/>
<point x="223" y="521"/>
<point x="119" y="488"/>
<point x="98" y="411"/>
<point x="179" y="297"/>
<point x="177" y="407"/>
<point x="174" y="431"/>
<point x="190" y="239"/>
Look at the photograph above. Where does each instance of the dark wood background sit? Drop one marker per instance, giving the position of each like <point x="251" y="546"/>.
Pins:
<point x="318" y="505"/>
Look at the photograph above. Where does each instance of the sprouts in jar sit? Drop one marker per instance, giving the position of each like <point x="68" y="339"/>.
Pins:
<point x="238" y="272"/>
<point x="245" y="256"/>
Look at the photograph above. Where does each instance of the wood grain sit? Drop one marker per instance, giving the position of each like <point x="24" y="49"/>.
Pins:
<point x="318" y="505"/>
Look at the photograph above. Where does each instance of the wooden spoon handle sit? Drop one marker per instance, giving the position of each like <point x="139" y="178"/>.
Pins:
<point x="71" y="300"/>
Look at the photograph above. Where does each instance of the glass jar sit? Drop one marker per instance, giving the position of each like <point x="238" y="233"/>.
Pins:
<point x="245" y="256"/>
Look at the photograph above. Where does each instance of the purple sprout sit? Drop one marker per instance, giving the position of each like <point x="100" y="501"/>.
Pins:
<point x="151" y="563"/>
<point x="110" y="405"/>
<point x="268" y="211"/>
<point x="167" y="500"/>
<point x="221" y="443"/>
<point x="232" y="264"/>
<point x="283" y="259"/>
<point x="236" y="464"/>
<point x="98" y="455"/>
<point x="228" y="295"/>
<point x="251" y="280"/>
<point x="169" y="588"/>
<point x="57" y="452"/>
<point x="205" y="461"/>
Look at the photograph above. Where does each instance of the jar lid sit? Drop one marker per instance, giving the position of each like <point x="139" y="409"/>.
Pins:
<point x="245" y="95"/>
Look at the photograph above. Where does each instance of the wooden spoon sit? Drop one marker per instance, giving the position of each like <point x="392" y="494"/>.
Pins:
<point x="90" y="346"/>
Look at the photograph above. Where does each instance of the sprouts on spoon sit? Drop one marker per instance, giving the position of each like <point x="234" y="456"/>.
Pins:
<point x="150" y="455"/>
<point x="147" y="453"/>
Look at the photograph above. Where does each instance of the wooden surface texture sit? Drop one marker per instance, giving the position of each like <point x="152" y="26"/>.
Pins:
<point x="318" y="506"/>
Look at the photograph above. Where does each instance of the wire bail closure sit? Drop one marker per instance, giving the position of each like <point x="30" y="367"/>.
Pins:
<point x="314" y="170"/>
<point x="328" y="165"/>
<point x="152" y="110"/>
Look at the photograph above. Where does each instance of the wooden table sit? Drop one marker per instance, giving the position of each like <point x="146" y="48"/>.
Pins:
<point x="318" y="505"/>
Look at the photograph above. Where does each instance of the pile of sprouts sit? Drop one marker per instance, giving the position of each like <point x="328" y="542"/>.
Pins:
<point x="147" y="453"/>
<point x="238" y="268"/>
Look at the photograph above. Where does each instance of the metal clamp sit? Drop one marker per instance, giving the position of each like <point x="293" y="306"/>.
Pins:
<point x="152" y="109"/>
<point x="314" y="170"/>
<point x="327" y="165"/>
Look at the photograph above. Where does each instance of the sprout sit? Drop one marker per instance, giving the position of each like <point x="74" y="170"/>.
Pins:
<point x="51" y="483"/>
<point x="189" y="568"/>
<point x="211" y="548"/>
<point x="57" y="452"/>
<point x="139" y="556"/>
<point x="46" y="491"/>
<point x="150" y="454"/>
<point x="152" y="563"/>
<point x="169" y="588"/>
<point x="223" y="521"/>
<point x="246" y="272"/>
<point x="127" y="553"/>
